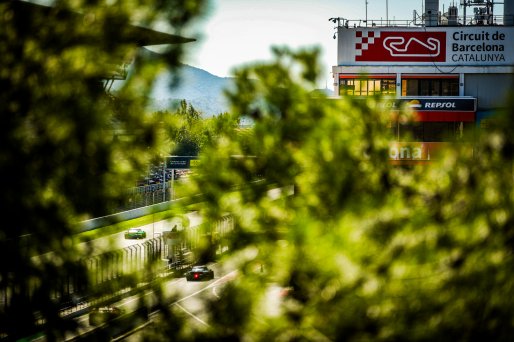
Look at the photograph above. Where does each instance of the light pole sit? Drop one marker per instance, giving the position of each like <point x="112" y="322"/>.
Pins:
<point x="164" y="180"/>
<point x="387" y="13"/>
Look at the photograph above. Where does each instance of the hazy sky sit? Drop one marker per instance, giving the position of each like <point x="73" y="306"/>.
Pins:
<point x="240" y="31"/>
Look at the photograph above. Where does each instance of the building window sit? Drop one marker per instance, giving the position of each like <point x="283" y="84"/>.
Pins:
<point x="433" y="131"/>
<point x="367" y="86"/>
<point x="447" y="86"/>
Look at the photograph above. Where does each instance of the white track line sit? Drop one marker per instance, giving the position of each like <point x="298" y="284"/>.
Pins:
<point x="191" y="314"/>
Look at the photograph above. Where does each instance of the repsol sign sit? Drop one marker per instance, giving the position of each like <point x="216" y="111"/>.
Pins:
<point x="433" y="104"/>
<point x="441" y="105"/>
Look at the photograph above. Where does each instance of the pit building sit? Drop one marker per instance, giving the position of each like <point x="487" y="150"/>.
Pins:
<point x="454" y="70"/>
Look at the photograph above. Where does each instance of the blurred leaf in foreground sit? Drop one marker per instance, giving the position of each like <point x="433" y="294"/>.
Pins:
<point x="367" y="251"/>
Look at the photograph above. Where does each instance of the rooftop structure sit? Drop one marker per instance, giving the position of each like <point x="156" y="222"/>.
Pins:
<point x="474" y="12"/>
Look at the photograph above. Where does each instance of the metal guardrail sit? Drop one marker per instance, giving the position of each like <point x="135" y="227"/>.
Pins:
<point x="107" y="220"/>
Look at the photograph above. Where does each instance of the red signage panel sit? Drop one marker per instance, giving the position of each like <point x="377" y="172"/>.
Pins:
<point x="397" y="46"/>
<point x="445" y="116"/>
<point x="442" y="45"/>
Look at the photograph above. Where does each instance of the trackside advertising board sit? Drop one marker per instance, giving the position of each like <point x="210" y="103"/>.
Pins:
<point x="452" y="46"/>
<point x="401" y="152"/>
<point x="181" y="162"/>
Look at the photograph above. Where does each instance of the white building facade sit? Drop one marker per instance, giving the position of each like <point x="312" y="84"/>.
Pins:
<point x="454" y="76"/>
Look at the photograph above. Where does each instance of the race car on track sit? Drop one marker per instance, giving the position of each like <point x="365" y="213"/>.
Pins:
<point x="135" y="233"/>
<point x="199" y="273"/>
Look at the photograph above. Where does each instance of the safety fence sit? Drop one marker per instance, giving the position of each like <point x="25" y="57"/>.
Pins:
<point x="125" y="269"/>
<point x="146" y="195"/>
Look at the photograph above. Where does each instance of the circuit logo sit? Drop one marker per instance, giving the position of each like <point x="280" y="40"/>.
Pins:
<point x="400" y="46"/>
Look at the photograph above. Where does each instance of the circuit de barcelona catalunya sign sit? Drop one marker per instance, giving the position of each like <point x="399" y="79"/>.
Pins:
<point x="439" y="45"/>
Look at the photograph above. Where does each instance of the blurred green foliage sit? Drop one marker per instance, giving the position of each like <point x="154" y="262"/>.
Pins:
<point x="68" y="149"/>
<point x="366" y="251"/>
<point x="190" y="131"/>
<point x="363" y="250"/>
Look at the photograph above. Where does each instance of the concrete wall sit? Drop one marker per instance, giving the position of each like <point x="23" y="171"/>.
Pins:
<point x="491" y="90"/>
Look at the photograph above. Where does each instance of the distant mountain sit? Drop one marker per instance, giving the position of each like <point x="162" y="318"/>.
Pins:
<point x="203" y="90"/>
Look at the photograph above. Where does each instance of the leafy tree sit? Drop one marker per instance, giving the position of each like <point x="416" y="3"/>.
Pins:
<point x="190" y="131"/>
<point x="67" y="150"/>
<point x="187" y="137"/>
<point x="368" y="251"/>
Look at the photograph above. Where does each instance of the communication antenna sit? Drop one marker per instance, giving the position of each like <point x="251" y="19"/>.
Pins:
<point x="366" y="5"/>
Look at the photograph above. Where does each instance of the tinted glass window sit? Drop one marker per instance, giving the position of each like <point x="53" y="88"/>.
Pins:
<point x="367" y="87"/>
<point x="433" y="131"/>
<point x="430" y="87"/>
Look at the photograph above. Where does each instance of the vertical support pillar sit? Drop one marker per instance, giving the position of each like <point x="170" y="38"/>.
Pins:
<point x="398" y="85"/>
<point x="461" y="84"/>
<point x="172" y="195"/>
